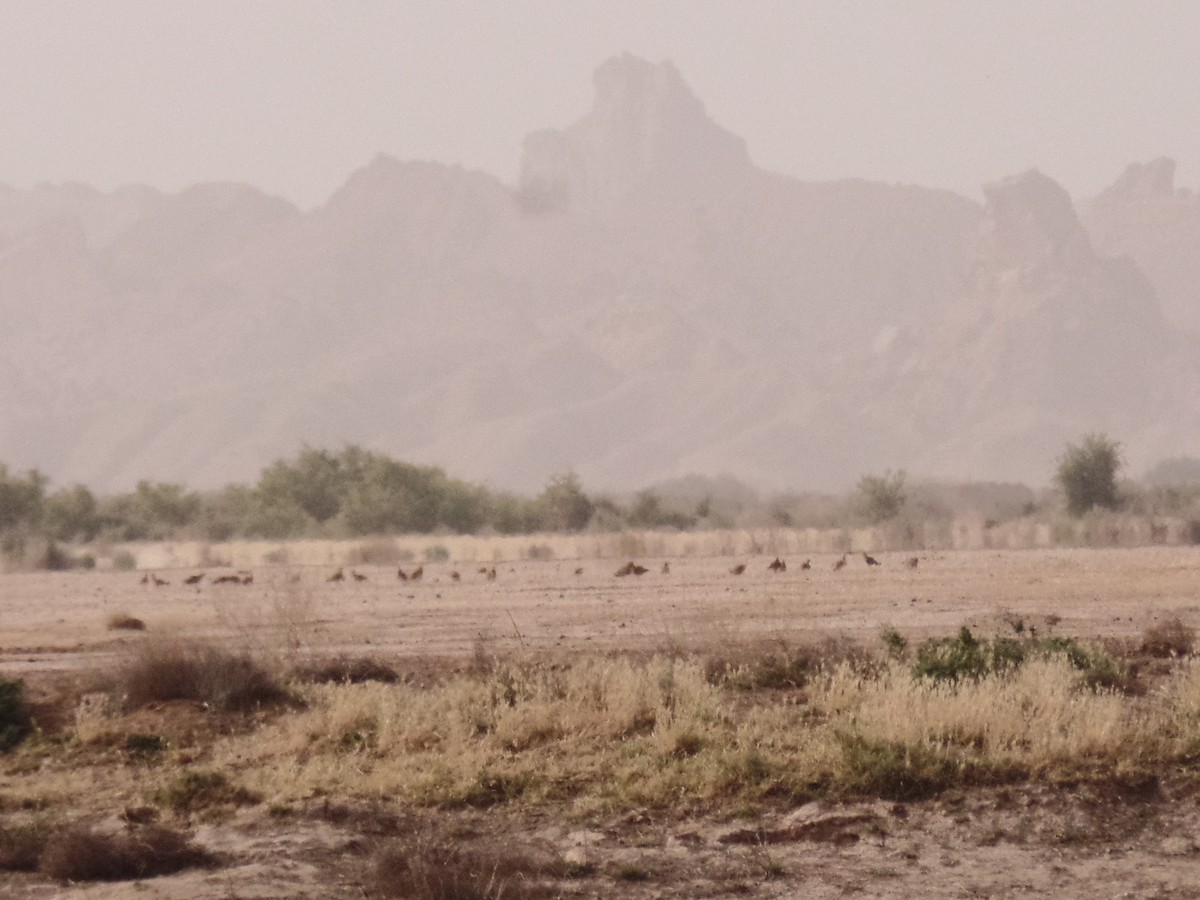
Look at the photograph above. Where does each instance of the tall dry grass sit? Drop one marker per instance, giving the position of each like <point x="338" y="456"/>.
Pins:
<point x="614" y="732"/>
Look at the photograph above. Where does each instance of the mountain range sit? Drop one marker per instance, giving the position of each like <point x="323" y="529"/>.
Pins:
<point x="642" y="303"/>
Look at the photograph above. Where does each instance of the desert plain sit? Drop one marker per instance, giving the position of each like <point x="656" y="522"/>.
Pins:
<point x="1136" y="834"/>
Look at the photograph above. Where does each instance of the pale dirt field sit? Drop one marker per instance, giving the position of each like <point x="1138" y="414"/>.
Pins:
<point x="1032" y="841"/>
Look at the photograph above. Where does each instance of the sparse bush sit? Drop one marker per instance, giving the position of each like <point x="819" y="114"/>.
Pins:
<point x="1169" y="638"/>
<point x="124" y="561"/>
<point x="197" y="790"/>
<point x="1087" y="473"/>
<point x="895" y="642"/>
<point x="437" y="553"/>
<point x="15" y="723"/>
<point x="21" y="845"/>
<point x="83" y="854"/>
<point x="346" y="670"/>
<point x="882" y="496"/>
<point x="436" y="868"/>
<point x="144" y="747"/>
<point x="176" y="670"/>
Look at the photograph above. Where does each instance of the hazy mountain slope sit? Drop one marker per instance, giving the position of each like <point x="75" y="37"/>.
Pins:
<point x="644" y="303"/>
<point x="1145" y="217"/>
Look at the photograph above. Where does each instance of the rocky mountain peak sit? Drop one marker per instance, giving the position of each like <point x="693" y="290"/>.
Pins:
<point x="646" y="130"/>
<point x="1155" y="178"/>
<point x="1029" y="219"/>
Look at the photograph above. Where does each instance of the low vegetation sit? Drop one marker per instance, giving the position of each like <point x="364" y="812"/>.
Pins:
<point x="734" y="732"/>
<point x="164" y="670"/>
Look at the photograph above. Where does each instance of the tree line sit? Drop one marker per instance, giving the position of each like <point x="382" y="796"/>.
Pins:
<point x="355" y="493"/>
<point x="320" y="493"/>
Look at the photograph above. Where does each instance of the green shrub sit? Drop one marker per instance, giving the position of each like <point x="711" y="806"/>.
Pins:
<point x="125" y="562"/>
<point x="891" y="770"/>
<point x="1087" y="473"/>
<point x="968" y="657"/>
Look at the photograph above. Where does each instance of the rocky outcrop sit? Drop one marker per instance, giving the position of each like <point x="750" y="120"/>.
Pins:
<point x="1145" y="217"/>
<point x="646" y="132"/>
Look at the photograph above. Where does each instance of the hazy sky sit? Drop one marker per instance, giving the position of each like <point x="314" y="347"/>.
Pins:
<point x="293" y="96"/>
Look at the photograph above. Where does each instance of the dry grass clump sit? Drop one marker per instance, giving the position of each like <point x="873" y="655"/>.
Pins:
<point x="80" y="853"/>
<point x="125" y="622"/>
<point x="345" y="670"/>
<point x="609" y="733"/>
<point x="1169" y="638"/>
<point x="165" y="670"/>
<point x="441" y="868"/>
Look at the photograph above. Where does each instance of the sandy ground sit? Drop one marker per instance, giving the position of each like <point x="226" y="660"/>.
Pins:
<point x="1034" y="841"/>
<point x="58" y="620"/>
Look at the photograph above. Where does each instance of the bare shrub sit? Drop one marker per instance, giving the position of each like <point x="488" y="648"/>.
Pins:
<point x="345" y="670"/>
<point x="21" y="846"/>
<point x="179" y="670"/>
<point x="125" y="622"/>
<point x="80" y="853"/>
<point x="438" y="868"/>
<point x="1169" y="638"/>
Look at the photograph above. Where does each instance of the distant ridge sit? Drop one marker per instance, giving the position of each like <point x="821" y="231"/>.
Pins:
<point x="641" y="304"/>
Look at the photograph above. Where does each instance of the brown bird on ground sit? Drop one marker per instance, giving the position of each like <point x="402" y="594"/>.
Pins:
<point x="339" y="575"/>
<point x="146" y="578"/>
<point x="631" y="568"/>
<point x="840" y="564"/>
<point x="738" y="569"/>
<point x="194" y="579"/>
<point x="247" y="579"/>
<point x="666" y="568"/>
<point x="870" y="560"/>
<point x="483" y="570"/>
<point x="417" y="573"/>
<point x="912" y="562"/>
<point x="807" y="564"/>
<point x="491" y="574"/>
<point x="579" y="571"/>
<point x="778" y="565"/>
<point x="402" y="575"/>
<point x="454" y="576"/>
<point x="358" y="576"/>
<point x="158" y="582"/>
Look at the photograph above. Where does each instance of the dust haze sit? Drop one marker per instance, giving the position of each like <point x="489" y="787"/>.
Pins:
<point x="795" y="244"/>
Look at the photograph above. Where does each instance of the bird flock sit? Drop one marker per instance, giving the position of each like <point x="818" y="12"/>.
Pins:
<point x="776" y="566"/>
